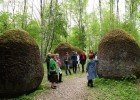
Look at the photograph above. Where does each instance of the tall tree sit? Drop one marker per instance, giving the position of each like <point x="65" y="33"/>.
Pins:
<point x="111" y="13"/>
<point x="47" y="28"/>
<point x="117" y="14"/>
<point x="24" y="20"/>
<point x="52" y="30"/>
<point x="100" y="7"/>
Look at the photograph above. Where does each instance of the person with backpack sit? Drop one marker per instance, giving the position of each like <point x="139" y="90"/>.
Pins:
<point x="91" y="70"/>
<point x="82" y="60"/>
<point x="53" y="72"/>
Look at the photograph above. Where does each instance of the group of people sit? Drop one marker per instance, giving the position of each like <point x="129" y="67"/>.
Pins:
<point x="54" y="63"/>
<point x="76" y="60"/>
<point x="53" y="69"/>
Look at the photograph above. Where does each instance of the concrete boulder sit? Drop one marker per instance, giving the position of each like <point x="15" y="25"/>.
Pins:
<point x="118" y="55"/>
<point x="21" y="70"/>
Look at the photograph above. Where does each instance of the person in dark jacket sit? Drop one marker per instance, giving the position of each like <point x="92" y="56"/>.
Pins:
<point x="48" y="65"/>
<point x="74" y="61"/>
<point x="82" y="60"/>
<point x="67" y="63"/>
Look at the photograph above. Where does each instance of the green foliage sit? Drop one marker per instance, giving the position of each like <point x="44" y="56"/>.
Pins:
<point x="4" y="21"/>
<point x="77" y="38"/>
<point x="34" y="29"/>
<point x="106" y="89"/>
<point x="129" y="27"/>
<point x="131" y="78"/>
<point x="92" y="32"/>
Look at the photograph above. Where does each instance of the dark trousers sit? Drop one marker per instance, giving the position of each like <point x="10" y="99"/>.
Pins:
<point x="74" y="67"/>
<point x="60" y="77"/>
<point x="67" y="69"/>
<point x="82" y="67"/>
<point x="90" y="83"/>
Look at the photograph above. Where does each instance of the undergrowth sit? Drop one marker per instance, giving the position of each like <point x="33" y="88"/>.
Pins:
<point x="107" y="89"/>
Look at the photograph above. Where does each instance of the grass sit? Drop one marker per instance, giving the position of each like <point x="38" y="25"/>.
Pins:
<point x="106" y="89"/>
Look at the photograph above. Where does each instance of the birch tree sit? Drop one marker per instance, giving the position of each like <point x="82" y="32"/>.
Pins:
<point x="24" y="20"/>
<point x="52" y="31"/>
<point x="117" y="14"/>
<point x="111" y="13"/>
<point x="100" y="8"/>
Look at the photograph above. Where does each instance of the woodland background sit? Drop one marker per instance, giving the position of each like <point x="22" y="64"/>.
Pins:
<point x="50" y="22"/>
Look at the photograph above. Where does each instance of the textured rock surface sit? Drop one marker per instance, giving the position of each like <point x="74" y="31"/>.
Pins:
<point x="21" y="70"/>
<point x="62" y="48"/>
<point x="119" y="55"/>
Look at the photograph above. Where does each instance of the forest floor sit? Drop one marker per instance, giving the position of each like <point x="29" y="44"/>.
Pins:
<point x="72" y="88"/>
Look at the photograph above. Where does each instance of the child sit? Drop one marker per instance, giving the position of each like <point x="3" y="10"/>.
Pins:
<point x="91" y="70"/>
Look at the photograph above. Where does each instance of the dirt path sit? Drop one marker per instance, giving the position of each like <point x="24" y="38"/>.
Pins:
<point x="70" y="89"/>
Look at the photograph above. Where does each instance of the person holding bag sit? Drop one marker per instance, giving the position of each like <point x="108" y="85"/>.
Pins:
<point x="57" y="59"/>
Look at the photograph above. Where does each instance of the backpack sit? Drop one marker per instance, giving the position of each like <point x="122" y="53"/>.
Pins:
<point x="83" y="57"/>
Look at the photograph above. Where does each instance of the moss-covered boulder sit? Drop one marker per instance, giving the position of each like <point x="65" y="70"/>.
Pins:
<point x="119" y="55"/>
<point x="62" y="48"/>
<point x="21" y="70"/>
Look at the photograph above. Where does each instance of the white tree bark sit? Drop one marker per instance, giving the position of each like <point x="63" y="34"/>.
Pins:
<point x="100" y="8"/>
<point x="52" y="31"/>
<point x="117" y="15"/>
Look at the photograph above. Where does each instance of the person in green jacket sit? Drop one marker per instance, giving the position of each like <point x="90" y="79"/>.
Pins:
<point x="53" y="71"/>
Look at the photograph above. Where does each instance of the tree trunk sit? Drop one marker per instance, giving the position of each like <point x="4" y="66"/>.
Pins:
<point x="117" y="15"/>
<point x="47" y="29"/>
<point x="24" y="20"/>
<point x="52" y="32"/>
<point x="111" y="13"/>
<point x="41" y="30"/>
<point x="13" y="9"/>
<point x="100" y="8"/>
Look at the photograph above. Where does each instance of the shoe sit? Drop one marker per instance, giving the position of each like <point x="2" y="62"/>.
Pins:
<point x="53" y="87"/>
<point x="60" y="81"/>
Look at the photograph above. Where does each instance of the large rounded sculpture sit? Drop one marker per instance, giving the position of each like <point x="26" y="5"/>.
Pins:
<point x="118" y="55"/>
<point x="21" y="70"/>
<point x="62" y="48"/>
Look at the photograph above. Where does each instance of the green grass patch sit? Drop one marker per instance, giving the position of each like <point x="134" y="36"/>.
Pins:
<point x="106" y="89"/>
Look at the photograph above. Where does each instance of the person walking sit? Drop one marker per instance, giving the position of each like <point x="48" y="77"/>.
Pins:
<point x="67" y="63"/>
<point x="91" y="70"/>
<point x="74" y="61"/>
<point x="57" y="59"/>
<point x="82" y="60"/>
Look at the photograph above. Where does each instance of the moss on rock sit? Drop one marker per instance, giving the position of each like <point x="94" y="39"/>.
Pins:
<point x="62" y="48"/>
<point x="119" y="55"/>
<point x="21" y="70"/>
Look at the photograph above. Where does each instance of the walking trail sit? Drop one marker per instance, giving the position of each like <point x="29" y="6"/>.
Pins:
<point x="70" y="89"/>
